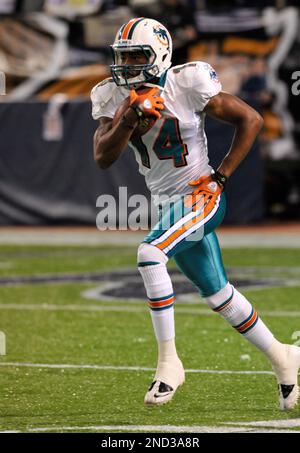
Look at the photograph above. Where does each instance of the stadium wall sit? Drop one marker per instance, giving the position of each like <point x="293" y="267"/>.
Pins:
<point x="44" y="182"/>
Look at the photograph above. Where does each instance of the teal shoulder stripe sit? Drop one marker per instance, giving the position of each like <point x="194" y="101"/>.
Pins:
<point x="162" y="79"/>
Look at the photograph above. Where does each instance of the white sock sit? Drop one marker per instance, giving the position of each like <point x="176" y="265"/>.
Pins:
<point x="167" y="351"/>
<point x="169" y="367"/>
<point x="240" y="314"/>
<point x="276" y="353"/>
<point x="279" y="355"/>
<point x="159" y="289"/>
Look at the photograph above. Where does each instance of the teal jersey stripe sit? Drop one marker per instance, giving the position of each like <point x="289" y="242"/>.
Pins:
<point x="160" y="81"/>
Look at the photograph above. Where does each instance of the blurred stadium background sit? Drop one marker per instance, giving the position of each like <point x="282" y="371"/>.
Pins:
<point x="68" y="344"/>
<point x="54" y="51"/>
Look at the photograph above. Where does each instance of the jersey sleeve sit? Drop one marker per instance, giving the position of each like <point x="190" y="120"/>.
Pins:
<point x="101" y="97"/>
<point x="205" y="85"/>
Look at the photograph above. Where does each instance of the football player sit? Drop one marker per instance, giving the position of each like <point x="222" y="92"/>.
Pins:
<point x="172" y="156"/>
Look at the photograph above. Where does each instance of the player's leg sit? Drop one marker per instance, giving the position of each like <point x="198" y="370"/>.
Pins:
<point x="169" y="373"/>
<point x="203" y="265"/>
<point x="153" y="255"/>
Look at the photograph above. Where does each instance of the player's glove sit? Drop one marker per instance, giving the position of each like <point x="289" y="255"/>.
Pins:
<point x="147" y="103"/>
<point x="205" y="195"/>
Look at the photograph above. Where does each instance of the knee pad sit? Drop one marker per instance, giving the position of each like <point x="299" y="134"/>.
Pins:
<point x="150" y="253"/>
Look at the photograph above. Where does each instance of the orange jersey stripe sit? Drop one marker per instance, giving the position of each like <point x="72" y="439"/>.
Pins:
<point x="251" y="320"/>
<point x="128" y="27"/>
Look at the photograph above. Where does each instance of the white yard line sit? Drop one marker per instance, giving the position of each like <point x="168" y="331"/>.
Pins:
<point x="152" y="428"/>
<point x="123" y="368"/>
<point x="118" y="308"/>
<point x="142" y="428"/>
<point x="134" y="309"/>
<point x="290" y="423"/>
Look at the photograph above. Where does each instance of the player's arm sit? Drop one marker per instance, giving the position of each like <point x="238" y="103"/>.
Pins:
<point x="247" y="123"/>
<point x="109" y="141"/>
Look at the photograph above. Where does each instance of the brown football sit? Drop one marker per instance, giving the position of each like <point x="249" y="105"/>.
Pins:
<point x="144" y="126"/>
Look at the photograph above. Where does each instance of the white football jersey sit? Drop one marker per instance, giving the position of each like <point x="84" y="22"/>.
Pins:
<point x="174" y="151"/>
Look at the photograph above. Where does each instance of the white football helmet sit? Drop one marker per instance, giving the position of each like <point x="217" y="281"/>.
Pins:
<point x="148" y="36"/>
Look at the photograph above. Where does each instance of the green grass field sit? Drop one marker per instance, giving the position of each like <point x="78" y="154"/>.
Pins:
<point x="111" y="347"/>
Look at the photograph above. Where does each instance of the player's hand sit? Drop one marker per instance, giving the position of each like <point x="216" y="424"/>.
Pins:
<point x="147" y="103"/>
<point x="205" y="194"/>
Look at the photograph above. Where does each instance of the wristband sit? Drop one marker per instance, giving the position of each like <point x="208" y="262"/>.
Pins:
<point x="220" y="178"/>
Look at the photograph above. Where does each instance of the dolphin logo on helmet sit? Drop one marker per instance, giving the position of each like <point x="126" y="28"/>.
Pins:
<point x="162" y="35"/>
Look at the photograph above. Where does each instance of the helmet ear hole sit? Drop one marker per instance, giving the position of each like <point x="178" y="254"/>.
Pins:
<point x="164" y="56"/>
